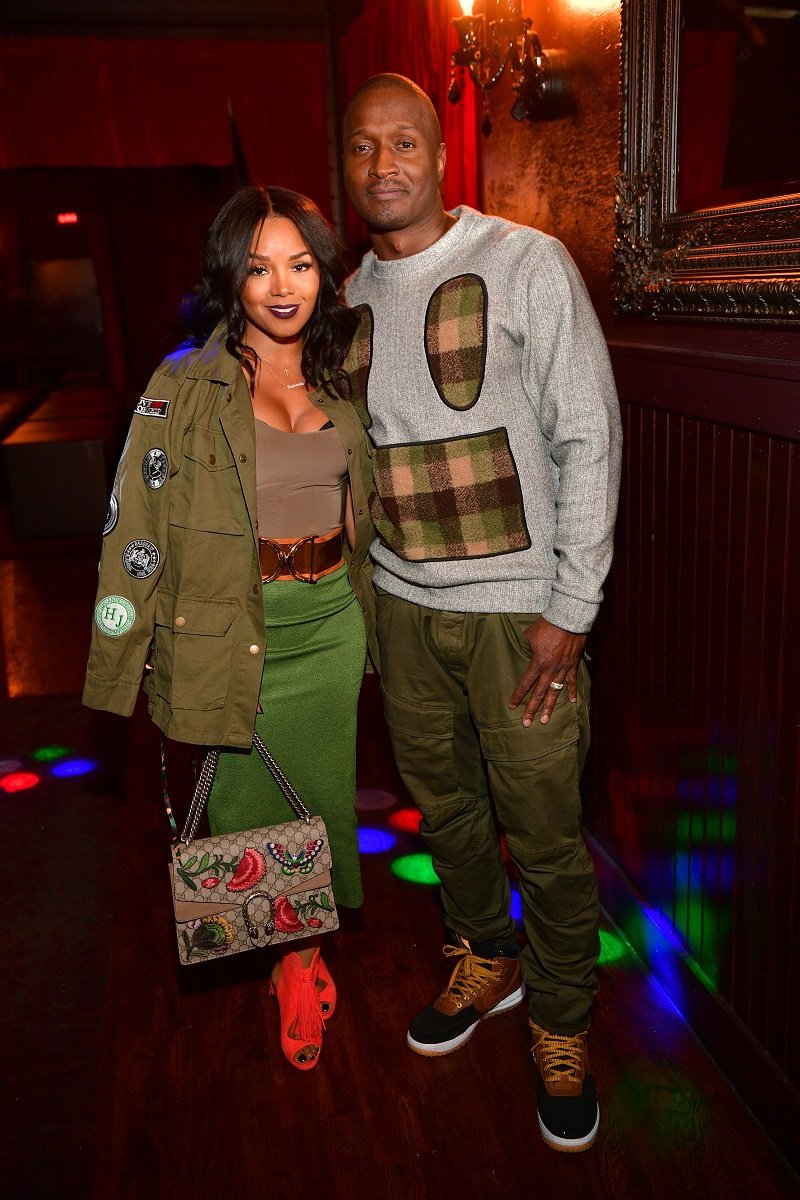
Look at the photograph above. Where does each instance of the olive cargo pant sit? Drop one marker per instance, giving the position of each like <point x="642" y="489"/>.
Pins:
<point x="446" y="681"/>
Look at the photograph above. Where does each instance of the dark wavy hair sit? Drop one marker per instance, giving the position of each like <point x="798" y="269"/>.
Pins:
<point x="226" y="261"/>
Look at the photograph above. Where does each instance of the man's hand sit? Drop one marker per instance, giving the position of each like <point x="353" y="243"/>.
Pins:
<point x="555" y="657"/>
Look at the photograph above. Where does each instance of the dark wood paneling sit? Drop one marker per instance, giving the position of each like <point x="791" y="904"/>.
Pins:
<point x="748" y="391"/>
<point x="693" y="787"/>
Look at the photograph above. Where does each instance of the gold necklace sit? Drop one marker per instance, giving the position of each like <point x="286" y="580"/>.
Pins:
<point x="289" y="386"/>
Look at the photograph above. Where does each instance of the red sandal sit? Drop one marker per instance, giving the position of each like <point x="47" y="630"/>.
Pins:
<point x="326" y="988"/>
<point x="301" y="1014"/>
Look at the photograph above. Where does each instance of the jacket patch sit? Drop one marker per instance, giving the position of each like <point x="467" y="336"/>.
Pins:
<point x="451" y="499"/>
<point x="140" y="558"/>
<point x="112" y="516"/>
<point x="114" y="615"/>
<point x="148" y="407"/>
<point x="359" y="360"/>
<point x="455" y="340"/>
<point x="155" y="468"/>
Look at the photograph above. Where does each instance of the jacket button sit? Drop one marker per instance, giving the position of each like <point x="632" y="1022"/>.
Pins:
<point x="242" y="458"/>
<point x="212" y="458"/>
<point x="180" y="622"/>
<point x="254" y="649"/>
<point x="349" y="449"/>
<point x="228" y="399"/>
<point x="256" y="588"/>
<point x="361" y="512"/>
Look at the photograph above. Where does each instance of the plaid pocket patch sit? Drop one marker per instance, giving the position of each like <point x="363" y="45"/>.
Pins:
<point x="359" y="359"/>
<point x="455" y="339"/>
<point x="450" y="499"/>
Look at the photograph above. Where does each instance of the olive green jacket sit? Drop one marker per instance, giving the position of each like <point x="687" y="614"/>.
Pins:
<point x="180" y="568"/>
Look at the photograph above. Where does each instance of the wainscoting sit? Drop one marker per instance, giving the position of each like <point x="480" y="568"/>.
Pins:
<point x="693" y="790"/>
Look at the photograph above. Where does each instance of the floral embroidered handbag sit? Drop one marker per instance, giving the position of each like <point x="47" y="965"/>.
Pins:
<point x="242" y="891"/>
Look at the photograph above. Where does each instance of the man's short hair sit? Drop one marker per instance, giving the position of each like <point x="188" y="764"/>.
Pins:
<point x="401" y="84"/>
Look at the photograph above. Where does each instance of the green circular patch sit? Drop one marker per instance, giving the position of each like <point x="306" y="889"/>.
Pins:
<point x="114" y="615"/>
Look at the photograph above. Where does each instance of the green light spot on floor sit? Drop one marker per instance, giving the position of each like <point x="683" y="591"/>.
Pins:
<point x="415" y="868"/>
<point x="50" y="753"/>
<point x="613" y="949"/>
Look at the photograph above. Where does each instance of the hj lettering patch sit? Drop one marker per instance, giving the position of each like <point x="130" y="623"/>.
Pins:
<point x="114" y="615"/>
<point x="148" y="407"/>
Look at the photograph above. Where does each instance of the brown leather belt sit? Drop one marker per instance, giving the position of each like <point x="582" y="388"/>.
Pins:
<point x="306" y="558"/>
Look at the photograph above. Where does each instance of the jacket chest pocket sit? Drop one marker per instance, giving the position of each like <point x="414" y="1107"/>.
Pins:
<point x="206" y="493"/>
<point x="194" y="647"/>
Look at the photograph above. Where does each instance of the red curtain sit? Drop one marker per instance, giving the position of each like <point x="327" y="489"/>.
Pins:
<point x="88" y="102"/>
<point x="415" y="38"/>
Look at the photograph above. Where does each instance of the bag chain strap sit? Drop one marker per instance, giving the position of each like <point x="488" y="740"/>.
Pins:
<point x="206" y="778"/>
<point x="283" y="783"/>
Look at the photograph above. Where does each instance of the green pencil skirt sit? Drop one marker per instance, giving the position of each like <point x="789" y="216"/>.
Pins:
<point x="314" y="664"/>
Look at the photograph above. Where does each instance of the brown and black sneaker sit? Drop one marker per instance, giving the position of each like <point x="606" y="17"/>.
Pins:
<point x="569" y="1114"/>
<point x="479" y="987"/>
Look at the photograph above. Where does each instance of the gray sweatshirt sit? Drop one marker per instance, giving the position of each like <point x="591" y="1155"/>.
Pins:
<point x="495" y="421"/>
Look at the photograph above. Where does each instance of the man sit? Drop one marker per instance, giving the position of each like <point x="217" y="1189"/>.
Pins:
<point x="497" y="438"/>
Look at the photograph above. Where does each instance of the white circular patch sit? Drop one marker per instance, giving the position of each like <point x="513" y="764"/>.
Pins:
<point x="112" y="516"/>
<point x="155" y="468"/>
<point x="140" y="558"/>
<point x="114" y="615"/>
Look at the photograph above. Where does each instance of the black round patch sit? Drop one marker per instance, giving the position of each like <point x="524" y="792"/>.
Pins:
<point x="140" y="558"/>
<point x="112" y="516"/>
<point x="155" y="468"/>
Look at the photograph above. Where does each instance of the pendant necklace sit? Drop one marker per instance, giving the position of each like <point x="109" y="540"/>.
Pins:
<point x="289" y="386"/>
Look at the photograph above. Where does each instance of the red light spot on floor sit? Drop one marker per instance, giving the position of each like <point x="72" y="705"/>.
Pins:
<point x="407" y="819"/>
<point x="20" y="781"/>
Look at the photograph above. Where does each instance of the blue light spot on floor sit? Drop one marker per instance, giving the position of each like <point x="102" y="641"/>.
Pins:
<point x="375" y="841"/>
<point x="74" y="766"/>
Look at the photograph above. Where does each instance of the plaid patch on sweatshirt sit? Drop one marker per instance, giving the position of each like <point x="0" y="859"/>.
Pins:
<point x="359" y="358"/>
<point x="450" y="499"/>
<point x="455" y="339"/>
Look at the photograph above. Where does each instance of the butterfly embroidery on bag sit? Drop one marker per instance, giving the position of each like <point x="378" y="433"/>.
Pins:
<point x="295" y="864"/>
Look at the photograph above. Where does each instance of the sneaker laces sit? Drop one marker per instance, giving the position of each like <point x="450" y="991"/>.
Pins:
<point x="470" y="974"/>
<point x="559" y="1058"/>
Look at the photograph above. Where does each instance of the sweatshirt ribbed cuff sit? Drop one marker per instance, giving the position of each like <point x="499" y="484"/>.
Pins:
<point x="570" y="613"/>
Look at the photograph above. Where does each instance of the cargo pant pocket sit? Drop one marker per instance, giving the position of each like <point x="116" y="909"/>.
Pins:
<point x="445" y="778"/>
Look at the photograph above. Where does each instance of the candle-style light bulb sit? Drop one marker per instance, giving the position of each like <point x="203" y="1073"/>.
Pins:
<point x="466" y="7"/>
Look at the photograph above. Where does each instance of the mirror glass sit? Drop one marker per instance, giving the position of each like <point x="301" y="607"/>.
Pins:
<point x="739" y="102"/>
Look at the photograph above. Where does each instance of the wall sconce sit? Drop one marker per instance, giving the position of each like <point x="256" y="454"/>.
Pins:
<point x="501" y="37"/>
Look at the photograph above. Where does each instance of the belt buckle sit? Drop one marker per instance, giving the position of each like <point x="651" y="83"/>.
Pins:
<point x="286" y="560"/>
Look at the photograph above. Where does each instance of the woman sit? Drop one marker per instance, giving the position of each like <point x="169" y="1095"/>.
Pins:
<point x="243" y="446"/>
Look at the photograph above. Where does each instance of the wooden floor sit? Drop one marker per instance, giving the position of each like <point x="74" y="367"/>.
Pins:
<point x="134" y="1078"/>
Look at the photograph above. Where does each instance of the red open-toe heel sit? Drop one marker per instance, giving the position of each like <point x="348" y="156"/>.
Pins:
<point x="326" y="988"/>
<point x="301" y="1014"/>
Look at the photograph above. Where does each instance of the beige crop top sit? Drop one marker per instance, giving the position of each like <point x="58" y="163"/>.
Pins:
<point x="301" y="481"/>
